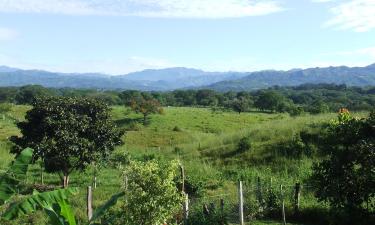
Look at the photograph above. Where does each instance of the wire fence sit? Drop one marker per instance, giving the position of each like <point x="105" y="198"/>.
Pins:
<point x="254" y="201"/>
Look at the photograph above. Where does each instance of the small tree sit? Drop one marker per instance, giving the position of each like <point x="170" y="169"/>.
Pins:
<point x="346" y="179"/>
<point x="241" y="105"/>
<point x="68" y="133"/>
<point x="146" y="107"/>
<point x="152" y="193"/>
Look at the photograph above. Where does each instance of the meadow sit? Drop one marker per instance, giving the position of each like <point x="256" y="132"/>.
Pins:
<point x="205" y="142"/>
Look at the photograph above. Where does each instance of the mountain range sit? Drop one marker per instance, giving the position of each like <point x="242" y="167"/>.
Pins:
<point x="185" y="78"/>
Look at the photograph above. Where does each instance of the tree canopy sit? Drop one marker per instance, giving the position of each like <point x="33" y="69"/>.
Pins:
<point x="68" y="133"/>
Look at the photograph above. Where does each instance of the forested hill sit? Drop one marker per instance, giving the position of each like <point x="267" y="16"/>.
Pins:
<point x="147" y="80"/>
<point x="351" y="76"/>
<point x="184" y="78"/>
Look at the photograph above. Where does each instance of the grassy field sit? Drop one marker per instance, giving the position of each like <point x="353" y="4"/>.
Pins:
<point x="205" y="142"/>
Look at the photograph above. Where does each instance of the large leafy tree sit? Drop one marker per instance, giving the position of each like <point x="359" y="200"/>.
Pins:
<point x="153" y="196"/>
<point x="346" y="178"/>
<point x="241" y="104"/>
<point x="68" y="133"/>
<point x="269" y="100"/>
<point x="146" y="106"/>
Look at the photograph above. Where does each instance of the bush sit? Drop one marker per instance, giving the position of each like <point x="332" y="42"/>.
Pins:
<point x="177" y="129"/>
<point x="152" y="194"/>
<point x="213" y="217"/>
<point x="244" y="145"/>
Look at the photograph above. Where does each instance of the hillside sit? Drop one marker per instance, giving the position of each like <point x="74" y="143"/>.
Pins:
<point x="160" y="80"/>
<point x="351" y="76"/>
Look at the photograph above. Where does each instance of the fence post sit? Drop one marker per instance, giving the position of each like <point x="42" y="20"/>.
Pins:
<point x="182" y="178"/>
<point x="41" y="174"/>
<point x="89" y="202"/>
<point x="186" y="208"/>
<point x="297" y="195"/>
<point x="282" y="204"/>
<point x="240" y="201"/>
<point x="259" y="192"/>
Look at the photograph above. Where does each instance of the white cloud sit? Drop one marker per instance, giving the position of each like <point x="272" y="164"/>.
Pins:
<point x="146" y="8"/>
<point x="356" y="15"/>
<point x="7" y="34"/>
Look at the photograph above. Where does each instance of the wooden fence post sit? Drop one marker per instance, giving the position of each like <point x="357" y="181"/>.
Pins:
<point x="41" y="174"/>
<point x="282" y="204"/>
<point x="297" y="195"/>
<point x="182" y="178"/>
<point x="240" y="201"/>
<point x="95" y="182"/>
<point x="89" y="202"/>
<point x="186" y="208"/>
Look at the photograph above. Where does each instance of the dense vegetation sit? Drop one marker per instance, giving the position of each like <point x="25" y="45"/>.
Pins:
<point x="318" y="98"/>
<point x="258" y="143"/>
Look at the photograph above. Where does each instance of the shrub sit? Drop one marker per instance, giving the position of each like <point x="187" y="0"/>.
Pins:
<point x="152" y="195"/>
<point x="244" y="145"/>
<point x="177" y="129"/>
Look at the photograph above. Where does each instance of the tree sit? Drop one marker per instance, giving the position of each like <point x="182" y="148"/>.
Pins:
<point x="28" y="94"/>
<point x="346" y="179"/>
<point x="146" y="107"/>
<point x="241" y="104"/>
<point x="152" y="194"/>
<point x="68" y="133"/>
<point x="269" y="100"/>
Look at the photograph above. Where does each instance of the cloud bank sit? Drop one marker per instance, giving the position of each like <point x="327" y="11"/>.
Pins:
<point x="355" y="15"/>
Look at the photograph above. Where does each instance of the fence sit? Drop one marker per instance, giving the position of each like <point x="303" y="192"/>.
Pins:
<point x="250" y="201"/>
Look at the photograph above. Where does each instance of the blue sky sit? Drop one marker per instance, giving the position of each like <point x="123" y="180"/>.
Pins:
<point x="121" y="36"/>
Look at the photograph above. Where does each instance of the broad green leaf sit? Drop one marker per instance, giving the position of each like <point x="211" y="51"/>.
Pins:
<point x="15" y="174"/>
<point x="103" y="208"/>
<point x="37" y="201"/>
<point x="66" y="212"/>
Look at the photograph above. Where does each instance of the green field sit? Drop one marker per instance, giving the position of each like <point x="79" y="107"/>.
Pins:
<point x="205" y="142"/>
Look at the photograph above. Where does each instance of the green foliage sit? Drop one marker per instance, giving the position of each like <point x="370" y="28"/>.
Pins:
<point x="68" y="133"/>
<point x="5" y="108"/>
<point x="53" y="202"/>
<point x="152" y="196"/>
<point x="146" y="107"/>
<point x="269" y="100"/>
<point x="347" y="177"/>
<point x="177" y="129"/>
<point x="28" y="94"/>
<point x="244" y="145"/>
<point x="15" y="175"/>
<point x="101" y="210"/>
<point x="213" y="217"/>
<point x="242" y="104"/>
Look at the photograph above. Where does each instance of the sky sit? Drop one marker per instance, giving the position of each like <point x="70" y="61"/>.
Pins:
<point x="122" y="36"/>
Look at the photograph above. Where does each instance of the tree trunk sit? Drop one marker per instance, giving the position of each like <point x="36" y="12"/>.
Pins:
<point x="65" y="180"/>
<point x="144" y="119"/>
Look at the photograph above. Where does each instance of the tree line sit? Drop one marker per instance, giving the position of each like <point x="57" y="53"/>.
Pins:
<point x="312" y="98"/>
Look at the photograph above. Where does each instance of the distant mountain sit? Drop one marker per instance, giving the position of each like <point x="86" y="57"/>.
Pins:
<point x="7" y="69"/>
<point x="160" y="80"/>
<point x="183" y="78"/>
<point x="351" y="76"/>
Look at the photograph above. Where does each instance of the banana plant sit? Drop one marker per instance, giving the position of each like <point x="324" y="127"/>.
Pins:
<point x="10" y="181"/>
<point x="55" y="204"/>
